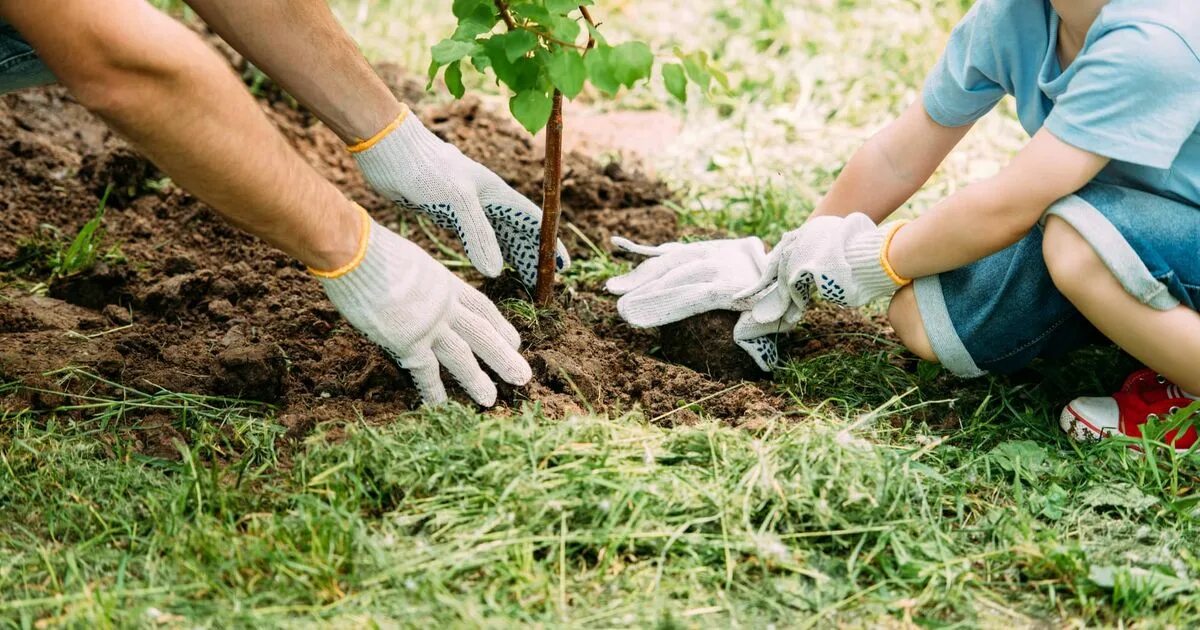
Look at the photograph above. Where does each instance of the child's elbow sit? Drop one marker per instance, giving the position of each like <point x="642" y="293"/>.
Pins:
<point x="1012" y="212"/>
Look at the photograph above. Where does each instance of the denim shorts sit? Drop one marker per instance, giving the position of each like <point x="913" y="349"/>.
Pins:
<point x="20" y="66"/>
<point x="1000" y="313"/>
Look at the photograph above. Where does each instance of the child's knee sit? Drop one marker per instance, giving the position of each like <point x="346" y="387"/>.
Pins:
<point x="1069" y="258"/>
<point x="905" y="318"/>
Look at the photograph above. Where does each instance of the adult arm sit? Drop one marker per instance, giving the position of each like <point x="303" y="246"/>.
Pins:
<point x="177" y="102"/>
<point x="161" y="87"/>
<point x="302" y="47"/>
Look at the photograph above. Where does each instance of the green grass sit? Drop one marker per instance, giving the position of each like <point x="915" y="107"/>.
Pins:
<point x="50" y="256"/>
<point x="887" y="494"/>
<point x="844" y="510"/>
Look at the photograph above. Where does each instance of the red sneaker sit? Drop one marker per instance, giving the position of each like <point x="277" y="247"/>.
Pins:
<point x="1124" y="413"/>
<point x="1151" y="386"/>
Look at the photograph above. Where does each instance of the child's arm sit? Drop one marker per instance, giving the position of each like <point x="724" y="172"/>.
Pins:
<point x="891" y="166"/>
<point x="992" y="214"/>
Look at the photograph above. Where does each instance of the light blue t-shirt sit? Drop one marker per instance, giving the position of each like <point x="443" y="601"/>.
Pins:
<point x="1132" y="94"/>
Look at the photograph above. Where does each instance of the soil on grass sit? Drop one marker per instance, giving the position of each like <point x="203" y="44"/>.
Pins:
<point x="187" y="303"/>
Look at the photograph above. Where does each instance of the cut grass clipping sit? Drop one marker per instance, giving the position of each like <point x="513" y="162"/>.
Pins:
<point x="449" y="517"/>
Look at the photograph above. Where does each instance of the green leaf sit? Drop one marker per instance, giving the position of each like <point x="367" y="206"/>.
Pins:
<point x="519" y="75"/>
<point x="696" y="65"/>
<point x="531" y="11"/>
<point x="561" y="6"/>
<point x="433" y="70"/>
<point x="567" y="71"/>
<point x="449" y="50"/>
<point x="482" y="20"/>
<point x="517" y="43"/>
<point x="481" y="61"/>
<point x="631" y="62"/>
<point x="675" y="79"/>
<point x="600" y="70"/>
<point x="463" y="8"/>
<point x="720" y="76"/>
<point x="454" y="81"/>
<point x="564" y="29"/>
<point x="595" y="34"/>
<point x="531" y="108"/>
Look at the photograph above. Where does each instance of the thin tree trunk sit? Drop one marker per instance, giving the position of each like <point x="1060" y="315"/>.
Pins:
<point x="551" y="196"/>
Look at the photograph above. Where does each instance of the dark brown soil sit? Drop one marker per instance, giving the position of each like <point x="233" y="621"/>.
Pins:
<point x="197" y="306"/>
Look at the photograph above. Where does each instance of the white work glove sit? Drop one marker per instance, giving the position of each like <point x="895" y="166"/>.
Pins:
<point x="681" y="280"/>
<point x="409" y="165"/>
<point x="425" y="317"/>
<point x="843" y="258"/>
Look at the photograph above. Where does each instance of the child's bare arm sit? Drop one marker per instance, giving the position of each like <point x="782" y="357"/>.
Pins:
<point x="992" y="214"/>
<point x="891" y="166"/>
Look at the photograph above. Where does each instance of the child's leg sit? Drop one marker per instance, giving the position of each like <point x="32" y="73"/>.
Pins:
<point x="905" y="319"/>
<point x="1167" y="341"/>
<point x="994" y="315"/>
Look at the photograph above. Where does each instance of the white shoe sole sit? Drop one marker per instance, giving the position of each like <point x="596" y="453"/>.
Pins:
<point x="1079" y="428"/>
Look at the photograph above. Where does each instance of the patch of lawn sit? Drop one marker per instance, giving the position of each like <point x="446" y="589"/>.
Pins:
<point x="846" y="512"/>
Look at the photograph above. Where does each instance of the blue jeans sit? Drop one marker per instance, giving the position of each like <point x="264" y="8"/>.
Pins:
<point x="20" y="66"/>
<point x="1000" y="313"/>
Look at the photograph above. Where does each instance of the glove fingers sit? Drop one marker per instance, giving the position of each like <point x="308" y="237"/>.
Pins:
<point x="517" y="222"/>
<point x="631" y="247"/>
<point x="686" y="275"/>
<point x="478" y="304"/>
<point x="745" y="299"/>
<point x="773" y="304"/>
<point x="426" y="375"/>
<point x="763" y="350"/>
<point x="759" y="339"/>
<point x="486" y="342"/>
<point x="455" y="354"/>
<point x="478" y="238"/>
<point x="801" y="290"/>
<point x="647" y="309"/>
<point x="645" y="273"/>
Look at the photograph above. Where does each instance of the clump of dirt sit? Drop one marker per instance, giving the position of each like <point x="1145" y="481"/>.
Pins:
<point x="120" y="171"/>
<point x="201" y="307"/>
<point x="705" y="344"/>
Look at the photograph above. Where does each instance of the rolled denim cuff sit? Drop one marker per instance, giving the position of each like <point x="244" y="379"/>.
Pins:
<point x="939" y="328"/>
<point x="1112" y="248"/>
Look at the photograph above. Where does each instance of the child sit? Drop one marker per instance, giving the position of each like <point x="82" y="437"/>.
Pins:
<point x="1092" y="231"/>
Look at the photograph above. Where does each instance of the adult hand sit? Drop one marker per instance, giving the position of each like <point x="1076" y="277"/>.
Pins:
<point x="409" y="165"/>
<point x="425" y="317"/>
<point x="680" y="280"/>
<point x="844" y="258"/>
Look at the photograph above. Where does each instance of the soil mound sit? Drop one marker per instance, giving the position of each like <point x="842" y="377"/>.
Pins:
<point x="187" y="303"/>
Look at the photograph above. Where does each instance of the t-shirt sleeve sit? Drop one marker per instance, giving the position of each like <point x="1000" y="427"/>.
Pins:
<point x="967" y="81"/>
<point x="1135" y="97"/>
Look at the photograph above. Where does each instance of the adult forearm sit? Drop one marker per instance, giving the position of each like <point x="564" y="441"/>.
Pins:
<point x="178" y="103"/>
<point x="302" y="47"/>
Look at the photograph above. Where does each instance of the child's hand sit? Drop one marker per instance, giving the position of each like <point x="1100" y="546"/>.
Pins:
<point x="844" y="258"/>
<point x="681" y="280"/>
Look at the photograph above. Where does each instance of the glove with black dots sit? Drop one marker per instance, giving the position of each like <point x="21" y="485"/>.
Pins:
<point x="425" y="317"/>
<point x="409" y="165"/>
<point x="843" y="258"/>
<point x="680" y="280"/>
